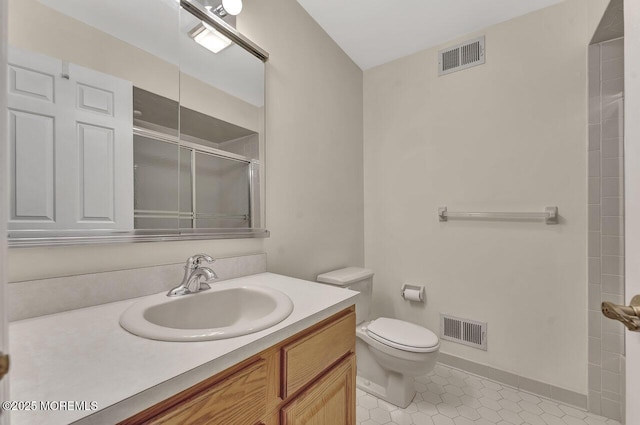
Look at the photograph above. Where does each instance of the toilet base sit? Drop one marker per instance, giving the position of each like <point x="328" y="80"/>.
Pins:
<point x="399" y="390"/>
<point x="389" y="373"/>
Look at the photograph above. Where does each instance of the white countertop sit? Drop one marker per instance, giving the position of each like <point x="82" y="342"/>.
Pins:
<point x="84" y="355"/>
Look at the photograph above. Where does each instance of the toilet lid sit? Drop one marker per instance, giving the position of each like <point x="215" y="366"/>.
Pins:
<point x="403" y="335"/>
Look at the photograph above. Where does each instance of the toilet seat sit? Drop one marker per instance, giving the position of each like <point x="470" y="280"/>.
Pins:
<point x="403" y="335"/>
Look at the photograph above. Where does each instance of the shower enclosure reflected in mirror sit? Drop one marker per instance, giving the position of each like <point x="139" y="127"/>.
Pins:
<point x="126" y="126"/>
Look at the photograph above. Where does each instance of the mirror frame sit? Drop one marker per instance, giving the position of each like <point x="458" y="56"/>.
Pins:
<point x="41" y="238"/>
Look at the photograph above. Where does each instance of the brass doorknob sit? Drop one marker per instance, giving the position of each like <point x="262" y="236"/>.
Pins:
<point x="628" y="315"/>
<point x="4" y="364"/>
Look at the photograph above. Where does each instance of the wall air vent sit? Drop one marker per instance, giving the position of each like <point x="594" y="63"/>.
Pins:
<point x="462" y="56"/>
<point x="463" y="331"/>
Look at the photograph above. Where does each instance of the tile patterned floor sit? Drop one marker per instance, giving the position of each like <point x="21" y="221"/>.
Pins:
<point x="451" y="397"/>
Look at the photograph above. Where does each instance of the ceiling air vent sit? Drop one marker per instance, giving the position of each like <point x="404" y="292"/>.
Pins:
<point x="462" y="56"/>
<point x="463" y="331"/>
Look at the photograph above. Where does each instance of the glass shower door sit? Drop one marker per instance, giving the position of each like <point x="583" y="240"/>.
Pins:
<point x="156" y="185"/>
<point x="222" y="192"/>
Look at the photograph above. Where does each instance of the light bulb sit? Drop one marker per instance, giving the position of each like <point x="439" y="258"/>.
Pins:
<point x="209" y="38"/>
<point x="233" y="7"/>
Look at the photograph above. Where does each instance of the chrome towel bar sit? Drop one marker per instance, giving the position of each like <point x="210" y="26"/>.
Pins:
<point x="550" y="215"/>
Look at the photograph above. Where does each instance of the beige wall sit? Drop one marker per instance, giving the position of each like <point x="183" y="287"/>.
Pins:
<point x="595" y="11"/>
<point x="508" y="135"/>
<point x="314" y="159"/>
<point x="314" y="143"/>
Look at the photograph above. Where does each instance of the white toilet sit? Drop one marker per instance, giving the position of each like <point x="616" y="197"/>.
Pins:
<point x="389" y="352"/>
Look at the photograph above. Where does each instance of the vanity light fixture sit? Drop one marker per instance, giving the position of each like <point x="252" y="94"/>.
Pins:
<point x="233" y="7"/>
<point x="228" y="7"/>
<point x="209" y="38"/>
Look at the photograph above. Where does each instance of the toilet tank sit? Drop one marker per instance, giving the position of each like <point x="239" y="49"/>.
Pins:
<point x="357" y="279"/>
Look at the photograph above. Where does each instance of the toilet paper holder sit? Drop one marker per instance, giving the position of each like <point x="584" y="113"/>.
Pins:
<point x="412" y="292"/>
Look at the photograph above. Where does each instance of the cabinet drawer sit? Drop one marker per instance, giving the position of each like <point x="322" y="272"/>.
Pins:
<point x="308" y="357"/>
<point x="329" y="400"/>
<point x="240" y="400"/>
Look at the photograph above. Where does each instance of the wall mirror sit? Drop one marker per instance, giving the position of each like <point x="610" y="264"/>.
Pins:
<point x="133" y="121"/>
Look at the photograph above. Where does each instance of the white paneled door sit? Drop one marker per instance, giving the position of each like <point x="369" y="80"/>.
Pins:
<point x="4" y="382"/>
<point x="71" y="145"/>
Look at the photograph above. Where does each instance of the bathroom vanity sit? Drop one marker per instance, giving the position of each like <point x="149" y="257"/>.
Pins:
<point x="299" y="368"/>
<point x="310" y="374"/>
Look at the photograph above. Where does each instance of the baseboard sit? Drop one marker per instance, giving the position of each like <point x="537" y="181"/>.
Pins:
<point x="511" y="379"/>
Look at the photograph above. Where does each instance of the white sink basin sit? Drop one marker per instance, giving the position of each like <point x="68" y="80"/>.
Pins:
<point x="218" y="313"/>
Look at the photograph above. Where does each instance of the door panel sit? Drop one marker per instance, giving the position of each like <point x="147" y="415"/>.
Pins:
<point x="32" y="139"/>
<point x="4" y="208"/>
<point x="103" y="127"/>
<point x="93" y="99"/>
<point x="34" y="116"/>
<point x="31" y="83"/>
<point x="329" y="401"/>
<point x="97" y="172"/>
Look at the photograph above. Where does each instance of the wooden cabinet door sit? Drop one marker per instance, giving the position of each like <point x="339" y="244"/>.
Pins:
<point x="238" y="400"/>
<point x="307" y="358"/>
<point x="329" y="401"/>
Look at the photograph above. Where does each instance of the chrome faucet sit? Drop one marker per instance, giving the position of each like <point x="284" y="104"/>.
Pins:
<point x="193" y="272"/>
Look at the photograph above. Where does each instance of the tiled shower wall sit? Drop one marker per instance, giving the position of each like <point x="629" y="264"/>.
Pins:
<point x="606" y="226"/>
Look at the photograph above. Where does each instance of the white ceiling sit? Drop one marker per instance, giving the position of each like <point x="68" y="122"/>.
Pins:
<point x="373" y="32"/>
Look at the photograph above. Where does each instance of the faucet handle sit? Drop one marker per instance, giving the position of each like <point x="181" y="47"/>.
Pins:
<point x="194" y="261"/>
<point x="203" y="257"/>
